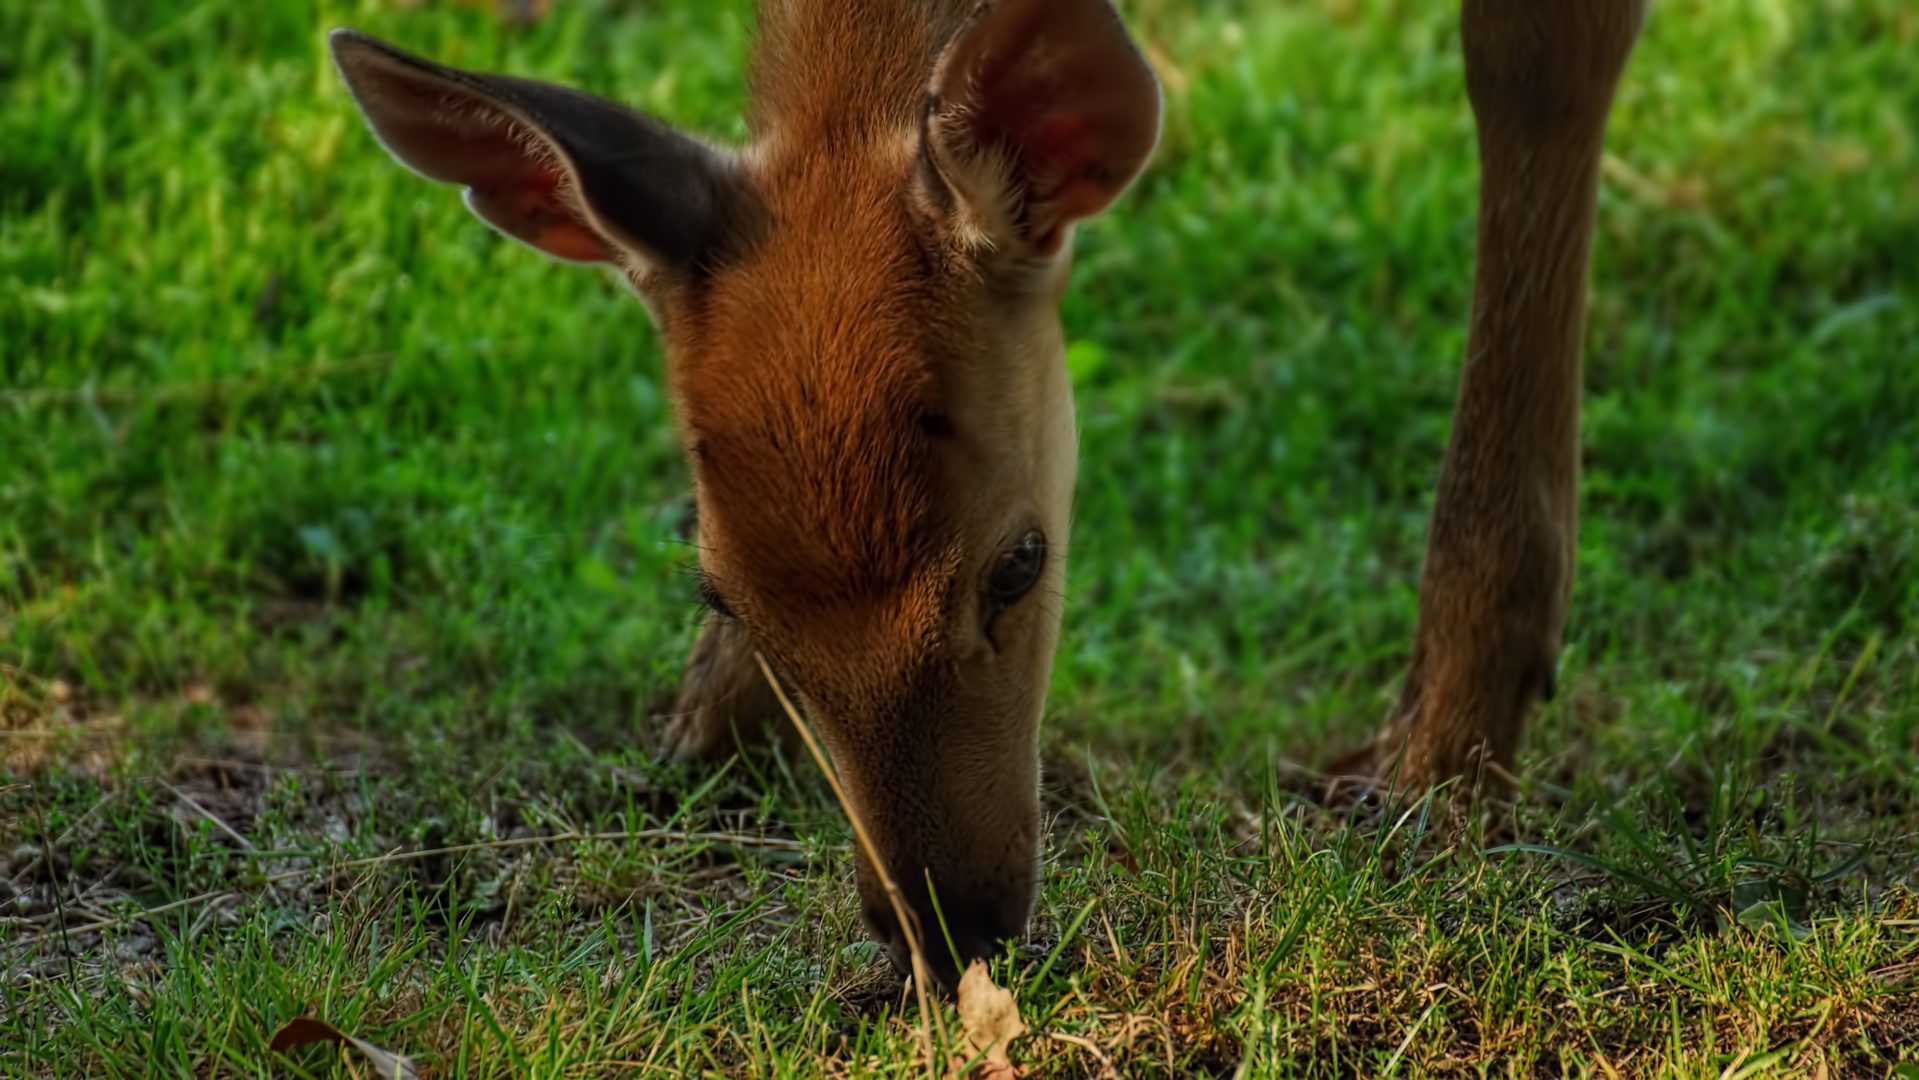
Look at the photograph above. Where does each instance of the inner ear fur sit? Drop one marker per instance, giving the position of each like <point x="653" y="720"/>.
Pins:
<point x="1040" y="114"/>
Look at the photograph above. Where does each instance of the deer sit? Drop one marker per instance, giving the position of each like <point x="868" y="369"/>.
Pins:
<point x="859" y="310"/>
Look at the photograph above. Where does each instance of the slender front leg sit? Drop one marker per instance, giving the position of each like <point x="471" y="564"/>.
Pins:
<point x="724" y="705"/>
<point x="1499" y="555"/>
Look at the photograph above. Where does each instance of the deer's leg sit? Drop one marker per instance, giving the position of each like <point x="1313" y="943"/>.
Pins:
<point x="724" y="705"/>
<point x="1499" y="555"/>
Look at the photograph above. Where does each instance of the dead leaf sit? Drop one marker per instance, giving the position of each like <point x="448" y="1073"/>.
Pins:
<point x="303" y="1030"/>
<point x="990" y="1017"/>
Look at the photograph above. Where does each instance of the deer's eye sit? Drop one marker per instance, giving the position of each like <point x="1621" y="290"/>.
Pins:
<point x="1016" y="570"/>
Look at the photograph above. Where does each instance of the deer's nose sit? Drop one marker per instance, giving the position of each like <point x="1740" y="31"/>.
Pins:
<point x="974" y="929"/>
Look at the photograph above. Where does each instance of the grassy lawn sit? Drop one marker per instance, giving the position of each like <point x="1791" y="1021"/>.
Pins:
<point x="342" y="569"/>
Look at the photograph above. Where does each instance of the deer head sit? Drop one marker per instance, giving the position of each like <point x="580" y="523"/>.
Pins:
<point x="860" y="316"/>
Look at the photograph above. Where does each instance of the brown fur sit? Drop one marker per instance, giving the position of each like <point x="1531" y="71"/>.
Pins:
<point x="1499" y="556"/>
<point x="864" y="352"/>
<point x="856" y="69"/>
<point x="870" y="397"/>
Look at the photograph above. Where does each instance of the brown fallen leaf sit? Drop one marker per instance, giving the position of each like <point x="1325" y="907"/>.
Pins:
<point x="302" y="1030"/>
<point x="990" y="1017"/>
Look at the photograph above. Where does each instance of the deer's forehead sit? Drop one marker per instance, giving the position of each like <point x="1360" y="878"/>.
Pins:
<point x="809" y="391"/>
<point x="816" y="486"/>
<point x="812" y="451"/>
<point x="846" y="275"/>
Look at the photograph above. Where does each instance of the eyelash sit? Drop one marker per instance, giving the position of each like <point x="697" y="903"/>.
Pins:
<point x="709" y="596"/>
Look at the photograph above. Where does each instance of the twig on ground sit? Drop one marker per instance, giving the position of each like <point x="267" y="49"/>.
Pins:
<point x="209" y="815"/>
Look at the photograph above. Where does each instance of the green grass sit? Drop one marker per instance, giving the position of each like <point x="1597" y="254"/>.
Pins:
<point x="331" y="521"/>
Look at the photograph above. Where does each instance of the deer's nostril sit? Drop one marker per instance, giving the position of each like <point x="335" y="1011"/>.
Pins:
<point x="969" y="934"/>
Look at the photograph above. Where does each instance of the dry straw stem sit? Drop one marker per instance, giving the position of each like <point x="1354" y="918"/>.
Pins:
<point x="1106" y="1070"/>
<point x="730" y="839"/>
<point x="893" y="895"/>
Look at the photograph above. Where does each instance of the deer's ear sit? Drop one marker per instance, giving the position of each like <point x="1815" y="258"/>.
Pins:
<point x="1041" y="113"/>
<point x="574" y="175"/>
